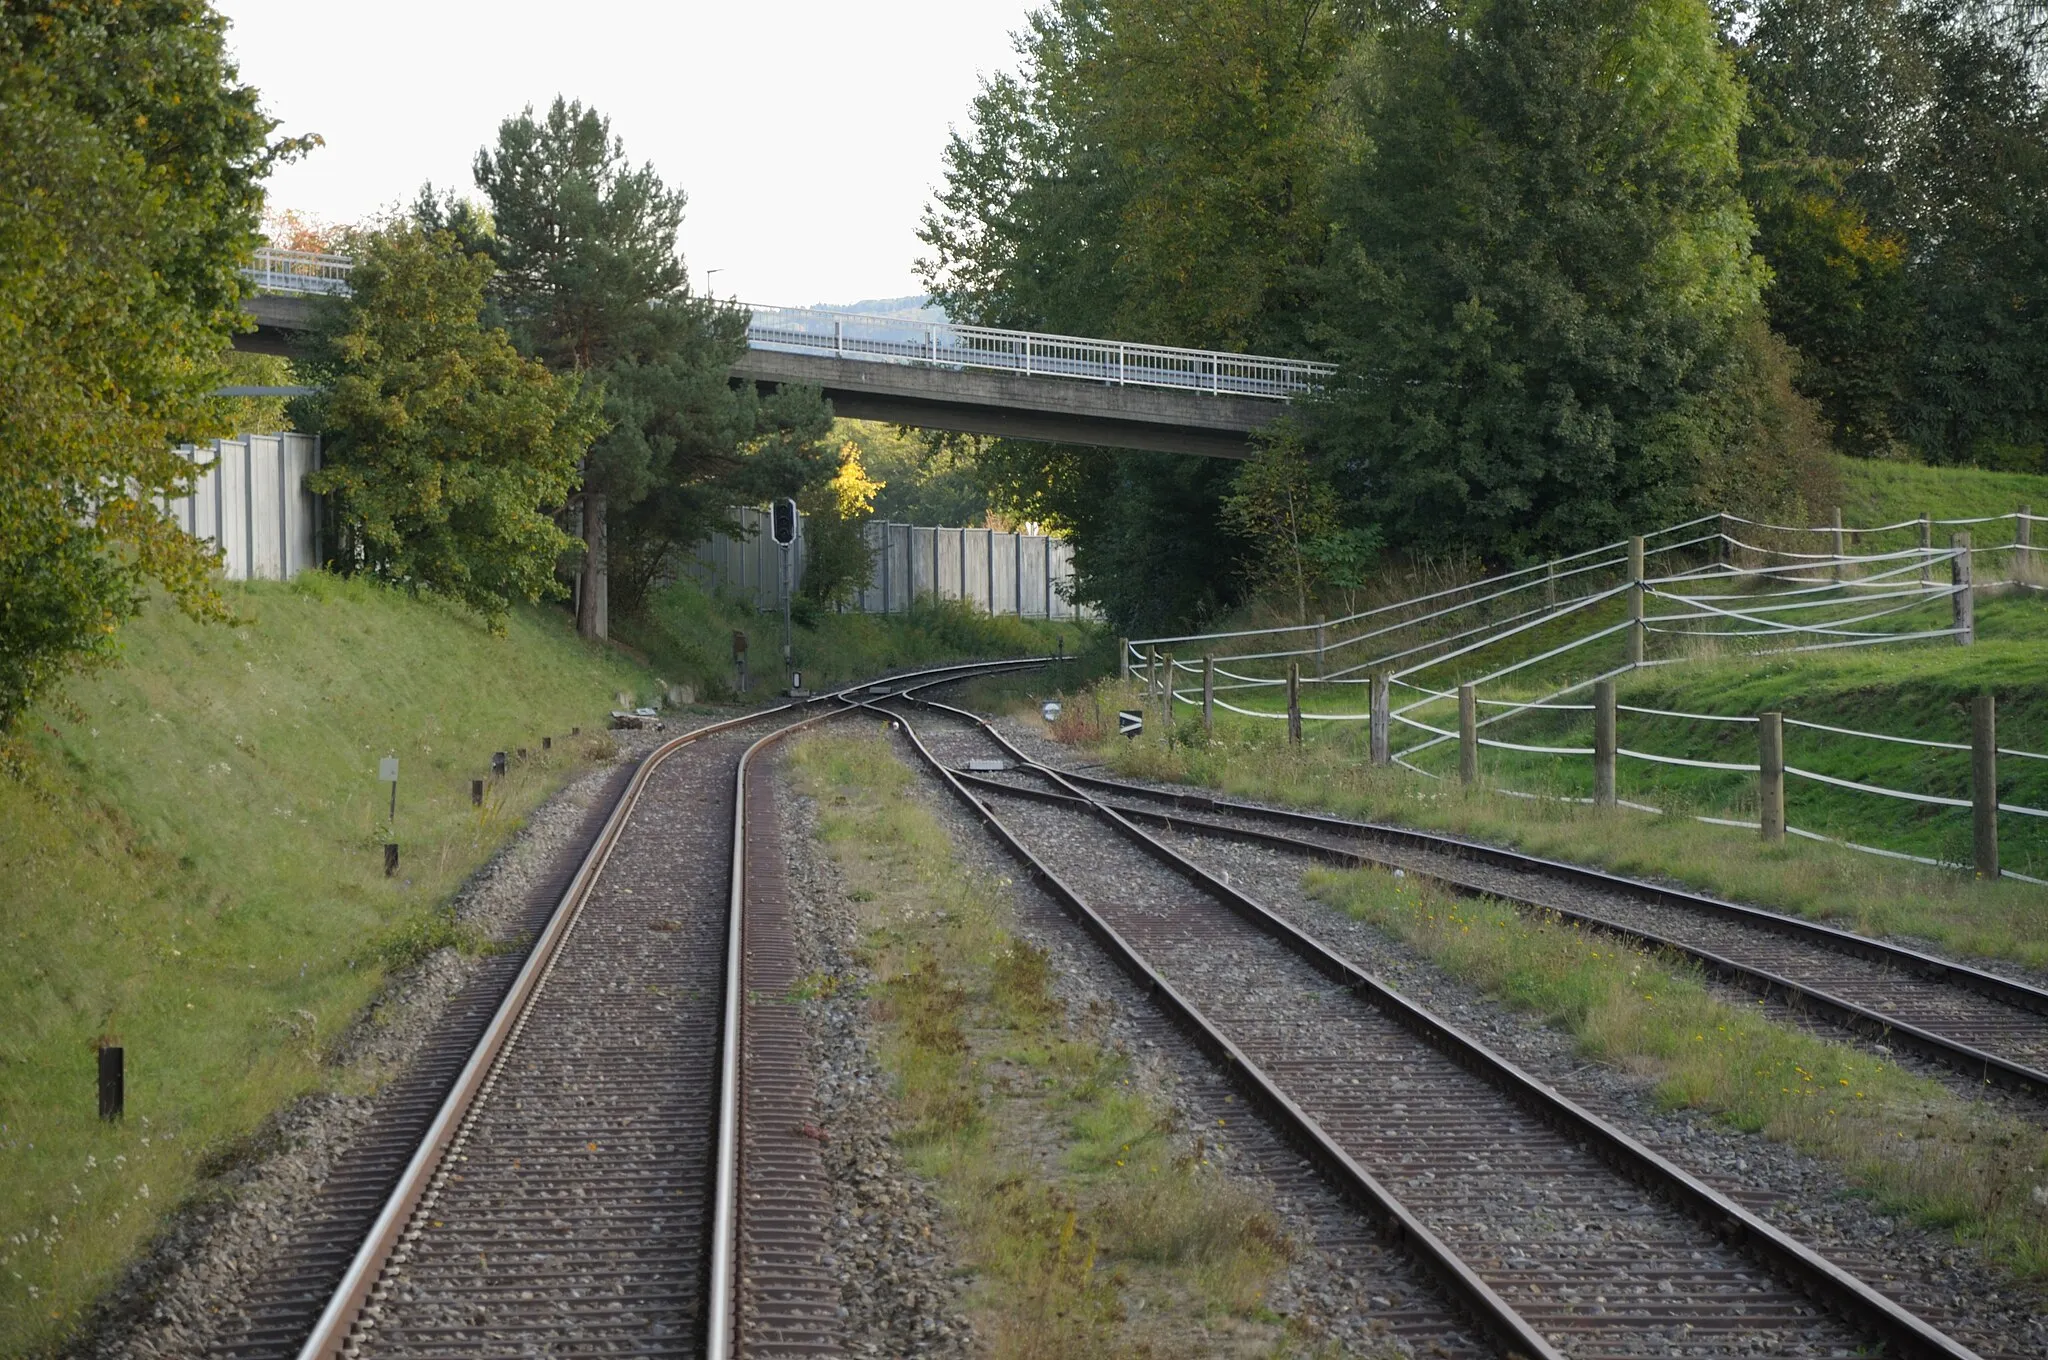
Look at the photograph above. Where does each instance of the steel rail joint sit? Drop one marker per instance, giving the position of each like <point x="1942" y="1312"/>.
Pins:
<point x="1828" y="1284"/>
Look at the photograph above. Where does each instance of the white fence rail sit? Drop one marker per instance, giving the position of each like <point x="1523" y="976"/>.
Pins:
<point x="251" y="500"/>
<point x="1028" y="575"/>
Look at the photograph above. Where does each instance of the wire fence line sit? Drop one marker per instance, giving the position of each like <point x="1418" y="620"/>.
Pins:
<point x="1732" y="592"/>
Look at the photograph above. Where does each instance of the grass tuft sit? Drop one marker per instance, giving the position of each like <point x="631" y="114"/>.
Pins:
<point x="1951" y="1164"/>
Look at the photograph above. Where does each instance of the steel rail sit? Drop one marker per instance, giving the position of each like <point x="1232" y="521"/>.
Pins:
<point x="1466" y="1290"/>
<point x="1966" y="1059"/>
<point x="330" y="1333"/>
<point x="1820" y="1279"/>
<point x="2020" y="995"/>
<point x="720" y="1329"/>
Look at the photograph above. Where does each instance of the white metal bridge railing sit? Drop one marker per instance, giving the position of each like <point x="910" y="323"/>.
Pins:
<point x="299" y="271"/>
<point x="899" y="340"/>
<point x="856" y="335"/>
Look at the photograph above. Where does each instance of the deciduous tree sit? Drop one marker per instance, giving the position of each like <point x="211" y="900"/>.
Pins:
<point x="131" y="164"/>
<point x="446" y="450"/>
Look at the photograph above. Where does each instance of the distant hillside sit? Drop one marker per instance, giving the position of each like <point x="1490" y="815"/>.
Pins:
<point x="916" y="307"/>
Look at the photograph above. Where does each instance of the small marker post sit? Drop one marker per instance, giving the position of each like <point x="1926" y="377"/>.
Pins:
<point x="113" y="1083"/>
<point x="498" y="763"/>
<point x="390" y="859"/>
<point x="476" y="793"/>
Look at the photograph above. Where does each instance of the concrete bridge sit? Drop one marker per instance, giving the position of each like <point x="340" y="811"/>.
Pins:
<point x="971" y="379"/>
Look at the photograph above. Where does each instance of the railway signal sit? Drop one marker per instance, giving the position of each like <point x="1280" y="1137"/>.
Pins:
<point x="783" y="528"/>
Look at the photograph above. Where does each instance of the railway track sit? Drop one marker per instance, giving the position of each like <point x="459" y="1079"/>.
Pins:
<point x="1986" y="1027"/>
<point x="1553" y="1231"/>
<point x="604" y="1149"/>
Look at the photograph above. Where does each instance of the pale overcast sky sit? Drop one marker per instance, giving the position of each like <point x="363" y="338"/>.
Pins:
<point x="806" y="133"/>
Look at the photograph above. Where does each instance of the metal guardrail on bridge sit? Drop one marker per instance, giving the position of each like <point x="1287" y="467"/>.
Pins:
<point x="908" y="340"/>
<point x="940" y="344"/>
<point x="299" y="271"/>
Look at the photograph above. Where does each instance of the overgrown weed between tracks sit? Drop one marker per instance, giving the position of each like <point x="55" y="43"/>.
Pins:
<point x="1094" y="1225"/>
<point x="1918" y="1148"/>
<point x="1330" y="773"/>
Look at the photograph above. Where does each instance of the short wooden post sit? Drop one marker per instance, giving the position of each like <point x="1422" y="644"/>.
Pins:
<point x="497" y="762"/>
<point x="1962" y="577"/>
<point x="1468" y="735"/>
<point x="1209" y="694"/>
<point x="1635" y="600"/>
<point x="1984" y="784"/>
<point x="1166" y="697"/>
<point x="1603" y="743"/>
<point x="476" y="793"/>
<point x="113" y="1084"/>
<point x="390" y="859"/>
<point x="1294" y="703"/>
<point x="1123" y="658"/>
<point x="547" y="743"/>
<point x="1840" y="543"/>
<point x="1382" y="723"/>
<point x="1770" y="777"/>
<point x="1926" y="548"/>
<point x="1322" y="646"/>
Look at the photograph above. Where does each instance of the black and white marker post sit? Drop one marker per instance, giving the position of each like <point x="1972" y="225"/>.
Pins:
<point x="387" y="772"/>
<point x="1130" y="722"/>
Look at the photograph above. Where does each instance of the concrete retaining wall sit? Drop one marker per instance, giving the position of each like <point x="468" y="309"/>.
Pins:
<point x="1001" y="573"/>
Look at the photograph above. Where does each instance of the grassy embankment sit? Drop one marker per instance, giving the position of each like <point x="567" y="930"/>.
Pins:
<point x="687" y="638"/>
<point x="1067" y="1189"/>
<point x="1951" y="1164"/>
<point x="191" y="867"/>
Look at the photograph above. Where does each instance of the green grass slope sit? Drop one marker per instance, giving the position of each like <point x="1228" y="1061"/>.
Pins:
<point x="1876" y="493"/>
<point x="190" y="866"/>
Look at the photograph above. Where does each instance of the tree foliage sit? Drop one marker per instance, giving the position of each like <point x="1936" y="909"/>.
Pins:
<point x="1899" y="162"/>
<point x="837" y="559"/>
<point x="1154" y="173"/>
<point x="1543" y="272"/>
<point x="592" y="282"/>
<point x="445" y="448"/>
<point x="131" y="161"/>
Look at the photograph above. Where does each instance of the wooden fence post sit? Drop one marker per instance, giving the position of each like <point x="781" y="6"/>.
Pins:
<point x="1841" y="548"/>
<point x="1926" y="548"/>
<point x="2022" y="541"/>
<point x="1294" y="703"/>
<point x="1468" y="735"/>
<point x="1635" y="600"/>
<point x="1151" y="672"/>
<point x="1123" y="658"/>
<point x="1603" y="743"/>
<point x="1962" y="577"/>
<point x="1550" y="588"/>
<point x="1382" y="724"/>
<point x="1770" y="778"/>
<point x="1166" y="699"/>
<point x="1322" y="646"/>
<point x="1984" y="784"/>
<point x="1209" y="694"/>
